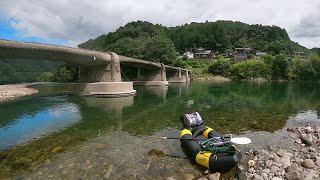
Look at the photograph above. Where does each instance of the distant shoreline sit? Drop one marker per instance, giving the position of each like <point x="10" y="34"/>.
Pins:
<point x="13" y="91"/>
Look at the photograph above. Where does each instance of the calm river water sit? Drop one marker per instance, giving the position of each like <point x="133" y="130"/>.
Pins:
<point x="34" y="129"/>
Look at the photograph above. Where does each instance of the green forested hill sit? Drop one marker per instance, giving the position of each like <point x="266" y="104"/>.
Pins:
<point x="18" y="71"/>
<point x="158" y="43"/>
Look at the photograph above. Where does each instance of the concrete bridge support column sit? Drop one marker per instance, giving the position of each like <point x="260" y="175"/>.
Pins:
<point x="178" y="77"/>
<point x="103" y="80"/>
<point x="152" y="78"/>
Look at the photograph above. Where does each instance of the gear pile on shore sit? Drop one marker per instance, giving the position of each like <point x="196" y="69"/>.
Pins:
<point x="300" y="161"/>
<point x="8" y="92"/>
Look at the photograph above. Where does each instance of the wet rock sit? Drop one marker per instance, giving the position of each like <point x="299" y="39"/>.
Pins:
<point x="156" y="153"/>
<point x="189" y="176"/>
<point x="293" y="173"/>
<point x="170" y="178"/>
<point x="100" y="146"/>
<point x="215" y="176"/>
<point x="308" y="163"/>
<point x="57" y="149"/>
<point x="109" y="171"/>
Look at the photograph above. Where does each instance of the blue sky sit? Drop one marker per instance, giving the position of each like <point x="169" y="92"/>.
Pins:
<point x="9" y="33"/>
<point x="72" y="22"/>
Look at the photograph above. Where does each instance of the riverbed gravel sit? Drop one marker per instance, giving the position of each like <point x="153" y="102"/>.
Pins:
<point x="9" y="92"/>
<point x="299" y="161"/>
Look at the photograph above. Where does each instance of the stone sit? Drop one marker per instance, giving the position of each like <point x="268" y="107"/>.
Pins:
<point x="251" y="163"/>
<point x="308" y="129"/>
<point x="308" y="163"/>
<point x="312" y="155"/>
<point x="293" y="135"/>
<point x="307" y="139"/>
<point x="298" y="141"/>
<point x="268" y="163"/>
<point x="202" y="178"/>
<point x="274" y="169"/>
<point x="215" y="176"/>
<point x="170" y="178"/>
<point x="267" y="171"/>
<point x="256" y="152"/>
<point x="264" y="175"/>
<point x="57" y="149"/>
<point x="243" y="176"/>
<point x="257" y="177"/>
<point x="278" y="165"/>
<point x="276" y="178"/>
<point x="240" y="167"/>
<point x="250" y="170"/>
<point x="100" y="146"/>
<point x="189" y="176"/>
<point x="109" y="171"/>
<point x="280" y="153"/>
<point x="318" y="163"/>
<point x="291" y="129"/>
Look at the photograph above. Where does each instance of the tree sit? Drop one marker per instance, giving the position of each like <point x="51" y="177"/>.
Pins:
<point x="46" y="77"/>
<point x="67" y="72"/>
<point x="220" y="67"/>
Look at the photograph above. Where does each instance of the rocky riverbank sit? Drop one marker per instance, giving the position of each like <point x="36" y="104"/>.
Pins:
<point x="212" y="78"/>
<point x="9" y="92"/>
<point x="299" y="161"/>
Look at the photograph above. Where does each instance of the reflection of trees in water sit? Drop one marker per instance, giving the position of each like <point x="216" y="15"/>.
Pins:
<point x="230" y="107"/>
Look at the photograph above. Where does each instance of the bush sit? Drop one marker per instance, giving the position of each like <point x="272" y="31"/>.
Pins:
<point x="220" y="67"/>
<point x="250" y="69"/>
<point x="46" y="77"/>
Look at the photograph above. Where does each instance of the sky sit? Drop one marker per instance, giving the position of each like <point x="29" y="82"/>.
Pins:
<point x="71" y="22"/>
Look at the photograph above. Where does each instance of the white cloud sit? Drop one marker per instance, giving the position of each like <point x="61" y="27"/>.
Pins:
<point x="79" y="20"/>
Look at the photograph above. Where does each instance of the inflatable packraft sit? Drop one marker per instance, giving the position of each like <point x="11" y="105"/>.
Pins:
<point x="205" y="146"/>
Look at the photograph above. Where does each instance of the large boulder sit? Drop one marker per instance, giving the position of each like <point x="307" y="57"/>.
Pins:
<point x="293" y="173"/>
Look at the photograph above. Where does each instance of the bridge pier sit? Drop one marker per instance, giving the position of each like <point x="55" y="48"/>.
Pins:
<point x="152" y="78"/>
<point x="102" y="80"/>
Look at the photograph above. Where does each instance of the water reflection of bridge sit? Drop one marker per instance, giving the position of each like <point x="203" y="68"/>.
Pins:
<point x="115" y="106"/>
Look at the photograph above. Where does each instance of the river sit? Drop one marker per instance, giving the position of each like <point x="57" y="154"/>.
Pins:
<point x="40" y="129"/>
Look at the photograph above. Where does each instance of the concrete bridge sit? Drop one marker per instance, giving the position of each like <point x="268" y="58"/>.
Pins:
<point x="100" y="72"/>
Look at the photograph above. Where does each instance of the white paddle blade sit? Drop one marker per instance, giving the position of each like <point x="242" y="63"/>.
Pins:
<point x="240" y="140"/>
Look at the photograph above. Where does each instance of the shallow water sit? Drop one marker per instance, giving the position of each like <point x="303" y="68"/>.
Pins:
<point x="35" y="129"/>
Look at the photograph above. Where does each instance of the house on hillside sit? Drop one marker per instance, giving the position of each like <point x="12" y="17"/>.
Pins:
<point x="188" y="55"/>
<point x="204" y="53"/>
<point x="241" y="53"/>
<point x="258" y="53"/>
<point x="301" y="55"/>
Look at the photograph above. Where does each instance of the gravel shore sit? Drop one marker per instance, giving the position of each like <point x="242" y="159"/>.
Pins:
<point x="299" y="161"/>
<point x="9" y="92"/>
